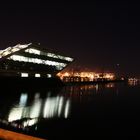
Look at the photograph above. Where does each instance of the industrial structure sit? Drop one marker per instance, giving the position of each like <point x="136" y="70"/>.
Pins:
<point x="86" y="76"/>
<point x="30" y="60"/>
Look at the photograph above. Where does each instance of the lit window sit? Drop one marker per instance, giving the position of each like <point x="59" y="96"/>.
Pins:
<point x="34" y="51"/>
<point x="38" y="52"/>
<point x="24" y="74"/>
<point x="58" y="65"/>
<point x="37" y="75"/>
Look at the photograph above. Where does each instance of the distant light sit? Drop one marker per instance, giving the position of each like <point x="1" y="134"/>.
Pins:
<point x="24" y="74"/>
<point x="49" y="75"/>
<point x="37" y="75"/>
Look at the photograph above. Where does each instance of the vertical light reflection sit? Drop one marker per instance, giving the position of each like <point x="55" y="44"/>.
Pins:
<point x="23" y="99"/>
<point x="53" y="107"/>
<point x="19" y="111"/>
<point x="67" y="107"/>
<point x="97" y="87"/>
<point x="56" y="107"/>
<point x="35" y="108"/>
<point x="60" y="105"/>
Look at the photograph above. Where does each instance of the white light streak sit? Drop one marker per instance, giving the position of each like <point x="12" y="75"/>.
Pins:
<point x="56" y="107"/>
<point x="38" y="52"/>
<point x="67" y="107"/>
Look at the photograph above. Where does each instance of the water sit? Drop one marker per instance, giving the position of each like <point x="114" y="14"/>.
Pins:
<point x="90" y="111"/>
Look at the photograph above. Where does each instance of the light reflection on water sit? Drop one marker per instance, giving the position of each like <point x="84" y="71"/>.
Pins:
<point x="50" y="107"/>
<point x="26" y="109"/>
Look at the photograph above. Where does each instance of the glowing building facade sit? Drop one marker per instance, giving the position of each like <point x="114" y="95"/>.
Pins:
<point x="31" y="60"/>
<point x="86" y="76"/>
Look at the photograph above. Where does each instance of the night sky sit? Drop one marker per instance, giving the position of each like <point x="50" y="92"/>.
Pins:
<point x="99" y="35"/>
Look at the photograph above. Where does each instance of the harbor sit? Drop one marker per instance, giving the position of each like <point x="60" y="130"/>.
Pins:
<point x="68" y="111"/>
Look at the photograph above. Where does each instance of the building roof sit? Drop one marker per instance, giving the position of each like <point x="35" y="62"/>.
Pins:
<point x="33" y="54"/>
<point x="10" y="50"/>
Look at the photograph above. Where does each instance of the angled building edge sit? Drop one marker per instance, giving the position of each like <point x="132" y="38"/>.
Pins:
<point x="25" y="62"/>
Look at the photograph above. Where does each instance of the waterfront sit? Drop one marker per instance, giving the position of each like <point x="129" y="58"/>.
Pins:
<point x="96" y="110"/>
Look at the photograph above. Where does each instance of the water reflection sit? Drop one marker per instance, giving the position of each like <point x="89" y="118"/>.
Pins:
<point x="56" y="107"/>
<point x="34" y="110"/>
<point x="30" y="107"/>
<point x="110" y="85"/>
<point x="28" y="115"/>
<point x="133" y="82"/>
<point x="82" y="90"/>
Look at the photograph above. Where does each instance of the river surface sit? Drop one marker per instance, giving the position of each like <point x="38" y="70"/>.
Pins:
<point x="74" y="111"/>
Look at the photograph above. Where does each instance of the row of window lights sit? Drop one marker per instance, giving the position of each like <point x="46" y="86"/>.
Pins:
<point x="10" y="50"/>
<point x="38" y="52"/>
<point x="36" y="75"/>
<point x="58" y="65"/>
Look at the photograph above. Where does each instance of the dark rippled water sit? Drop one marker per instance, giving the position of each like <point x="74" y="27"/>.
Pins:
<point x="76" y="111"/>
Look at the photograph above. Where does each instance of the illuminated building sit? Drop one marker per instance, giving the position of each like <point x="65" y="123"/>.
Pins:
<point x="30" y="60"/>
<point x="85" y="76"/>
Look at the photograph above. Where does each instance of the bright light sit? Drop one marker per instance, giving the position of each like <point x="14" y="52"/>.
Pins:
<point x="56" y="107"/>
<point x="66" y="74"/>
<point x="30" y="122"/>
<point x="109" y="76"/>
<point x="15" y="114"/>
<point x="38" y="52"/>
<point x="58" y="65"/>
<point x="49" y="75"/>
<point x="10" y="50"/>
<point x="67" y="109"/>
<point x="86" y="76"/>
<point x="23" y="99"/>
<point x="60" y="106"/>
<point x="36" y="108"/>
<point x="37" y="75"/>
<point x="34" y="51"/>
<point x="24" y="74"/>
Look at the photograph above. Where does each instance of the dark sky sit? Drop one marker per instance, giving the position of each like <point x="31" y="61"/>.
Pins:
<point x="99" y="35"/>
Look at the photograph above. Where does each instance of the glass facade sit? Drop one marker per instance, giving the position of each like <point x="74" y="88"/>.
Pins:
<point x="31" y="59"/>
<point x="38" y="52"/>
<point x="58" y="65"/>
